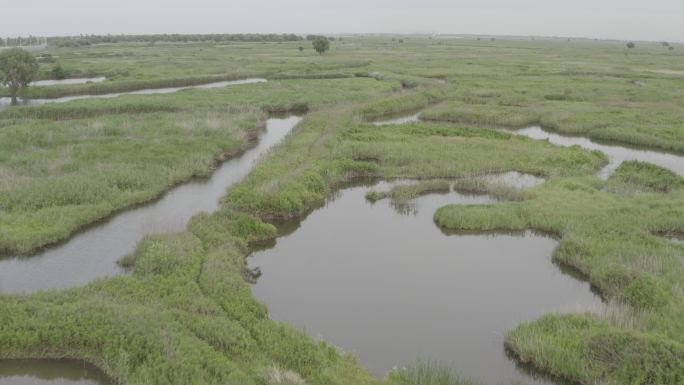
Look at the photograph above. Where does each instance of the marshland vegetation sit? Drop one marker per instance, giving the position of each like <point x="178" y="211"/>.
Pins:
<point x="186" y="314"/>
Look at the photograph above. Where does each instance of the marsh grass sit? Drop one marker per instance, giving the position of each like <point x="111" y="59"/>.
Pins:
<point x="640" y="177"/>
<point x="403" y="193"/>
<point x="67" y="165"/>
<point x="399" y="104"/>
<point x="638" y="275"/>
<point x="51" y="92"/>
<point x="67" y="174"/>
<point x="427" y="373"/>
<point x="277" y="376"/>
<point x="186" y="315"/>
<point x="484" y="185"/>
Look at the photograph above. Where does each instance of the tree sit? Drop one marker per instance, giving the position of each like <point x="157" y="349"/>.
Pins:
<point x="321" y="44"/>
<point x="17" y="69"/>
<point x="301" y="48"/>
<point x="631" y="45"/>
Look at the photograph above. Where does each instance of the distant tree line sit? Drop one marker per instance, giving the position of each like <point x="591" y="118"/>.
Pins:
<point x="83" y="40"/>
<point x="22" y="41"/>
<point x="317" y="37"/>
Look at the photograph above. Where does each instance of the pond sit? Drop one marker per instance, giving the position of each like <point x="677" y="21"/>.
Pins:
<point x="391" y="287"/>
<point x="50" y="372"/>
<point x="93" y="253"/>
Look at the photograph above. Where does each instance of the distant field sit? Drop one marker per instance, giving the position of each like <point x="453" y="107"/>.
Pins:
<point x="186" y="314"/>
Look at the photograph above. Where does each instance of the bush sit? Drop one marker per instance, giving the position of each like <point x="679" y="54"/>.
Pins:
<point x="58" y="72"/>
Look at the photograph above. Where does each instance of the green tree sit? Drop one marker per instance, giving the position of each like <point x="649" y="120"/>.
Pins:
<point x="17" y="69"/>
<point x="321" y="44"/>
<point x="631" y="45"/>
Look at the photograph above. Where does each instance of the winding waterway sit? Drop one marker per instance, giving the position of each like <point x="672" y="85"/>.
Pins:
<point x="6" y="102"/>
<point x="392" y="287"/>
<point x="616" y="153"/>
<point x="384" y="283"/>
<point x="93" y="253"/>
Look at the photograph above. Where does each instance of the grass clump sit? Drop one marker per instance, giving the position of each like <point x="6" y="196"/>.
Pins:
<point x="374" y="196"/>
<point x="277" y="376"/>
<point x="644" y="177"/>
<point x="427" y="373"/>
<point x="482" y="115"/>
<point x="399" y="104"/>
<point x="485" y="185"/>
<point x="403" y="193"/>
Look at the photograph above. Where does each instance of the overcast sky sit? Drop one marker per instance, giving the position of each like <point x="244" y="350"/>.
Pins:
<point x="620" y="19"/>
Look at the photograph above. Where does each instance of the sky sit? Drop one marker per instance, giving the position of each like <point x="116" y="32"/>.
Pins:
<point x="658" y="20"/>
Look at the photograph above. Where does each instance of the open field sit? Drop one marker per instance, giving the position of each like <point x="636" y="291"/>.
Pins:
<point x="186" y="315"/>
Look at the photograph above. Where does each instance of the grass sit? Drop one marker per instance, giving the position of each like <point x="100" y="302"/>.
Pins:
<point x="59" y="176"/>
<point x="427" y="373"/>
<point x="402" y="194"/>
<point x="64" y="166"/>
<point x="603" y="239"/>
<point x="493" y="187"/>
<point x="186" y="315"/>
<point x="633" y="176"/>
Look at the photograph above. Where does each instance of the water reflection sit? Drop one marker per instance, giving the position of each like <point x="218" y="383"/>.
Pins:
<point x="391" y="288"/>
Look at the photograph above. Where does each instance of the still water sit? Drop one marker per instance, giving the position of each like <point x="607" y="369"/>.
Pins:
<point x="392" y="287"/>
<point x="93" y="253"/>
